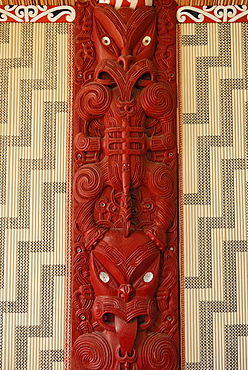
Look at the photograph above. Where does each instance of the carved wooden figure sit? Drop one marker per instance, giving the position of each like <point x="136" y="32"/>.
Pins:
<point x="125" y="290"/>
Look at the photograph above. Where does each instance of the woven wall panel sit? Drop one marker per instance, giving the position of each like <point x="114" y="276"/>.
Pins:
<point x="213" y="153"/>
<point x="33" y="119"/>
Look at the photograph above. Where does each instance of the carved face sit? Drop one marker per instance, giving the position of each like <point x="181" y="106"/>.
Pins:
<point x="125" y="36"/>
<point x="124" y="274"/>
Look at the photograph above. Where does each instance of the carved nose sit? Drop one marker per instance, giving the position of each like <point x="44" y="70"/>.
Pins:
<point x="126" y="61"/>
<point x="126" y="292"/>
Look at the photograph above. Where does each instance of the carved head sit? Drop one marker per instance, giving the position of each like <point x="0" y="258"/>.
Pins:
<point x="124" y="35"/>
<point x="124" y="274"/>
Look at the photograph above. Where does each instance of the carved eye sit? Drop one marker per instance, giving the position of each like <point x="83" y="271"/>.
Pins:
<point x="105" y="40"/>
<point x="148" y="277"/>
<point x="146" y="40"/>
<point x="104" y="276"/>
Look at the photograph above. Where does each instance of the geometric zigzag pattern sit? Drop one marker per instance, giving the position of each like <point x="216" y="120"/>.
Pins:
<point x="33" y="121"/>
<point x="214" y="193"/>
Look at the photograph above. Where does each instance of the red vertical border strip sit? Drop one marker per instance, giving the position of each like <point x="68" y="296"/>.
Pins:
<point x="180" y="201"/>
<point x="124" y="310"/>
<point x="69" y="225"/>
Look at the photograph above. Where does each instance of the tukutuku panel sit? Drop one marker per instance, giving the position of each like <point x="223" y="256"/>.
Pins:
<point x="213" y="152"/>
<point x="33" y="121"/>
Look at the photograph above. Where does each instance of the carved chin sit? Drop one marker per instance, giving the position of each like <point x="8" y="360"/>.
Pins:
<point x="107" y="308"/>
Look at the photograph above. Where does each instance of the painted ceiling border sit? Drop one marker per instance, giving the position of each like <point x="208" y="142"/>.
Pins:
<point x="37" y="13"/>
<point x="212" y="14"/>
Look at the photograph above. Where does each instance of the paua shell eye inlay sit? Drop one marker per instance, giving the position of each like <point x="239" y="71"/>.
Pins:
<point x="105" y="40"/>
<point x="146" y="40"/>
<point x="148" y="277"/>
<point x="104" y="276"/>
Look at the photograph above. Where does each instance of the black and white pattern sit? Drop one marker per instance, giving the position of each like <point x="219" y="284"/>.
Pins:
<point x="214" y="143"/>
<point x="33" y="121"/>
<point x="37" y="13"/>
<point x="212" y="13"/>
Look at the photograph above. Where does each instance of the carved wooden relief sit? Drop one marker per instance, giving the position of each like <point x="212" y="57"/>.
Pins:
<point x="125" y="272"/>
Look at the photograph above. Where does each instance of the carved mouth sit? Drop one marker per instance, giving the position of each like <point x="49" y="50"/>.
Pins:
<point x="126" y="330"/>
<point x="143" y="311"/>
<point x="109" y="318"/>
<point x="144" y="80"/>
<point x="142" y="320"/>
<point x="109" y="321"/>
<point x="106" y="79"/>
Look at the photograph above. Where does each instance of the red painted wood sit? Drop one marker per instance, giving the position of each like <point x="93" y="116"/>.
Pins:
<point x="125" y="270"/>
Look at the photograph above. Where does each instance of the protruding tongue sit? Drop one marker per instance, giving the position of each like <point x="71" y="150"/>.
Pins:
<point x="126" y="334"/>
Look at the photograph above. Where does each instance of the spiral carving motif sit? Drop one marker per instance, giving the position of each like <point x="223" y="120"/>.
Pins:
<point x="81" y="141"/>
<point x="98" y="309"/>
<point x="161" y="182"/>
<point x="157" y="101"/>
<point x="92" y="100"/>
<point x="169" y="140"/>
<point x="92" y="352"/>
<point x="159" y="352"/>
<point x="88" y="182"/>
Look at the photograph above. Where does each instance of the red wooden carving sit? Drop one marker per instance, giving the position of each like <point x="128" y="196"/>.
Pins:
<point x="125" y="290"/>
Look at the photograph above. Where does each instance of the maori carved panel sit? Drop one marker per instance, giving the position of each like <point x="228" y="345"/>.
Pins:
<point x="125" y="291"/>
